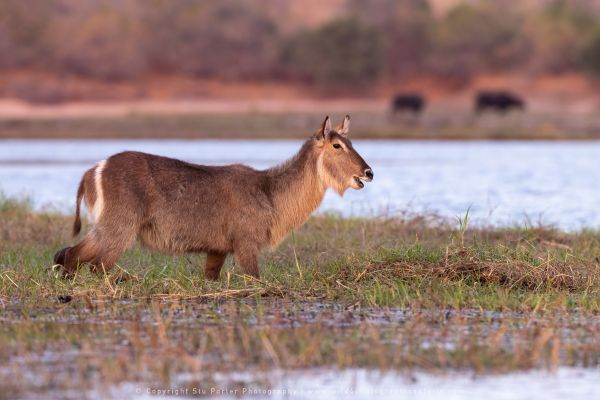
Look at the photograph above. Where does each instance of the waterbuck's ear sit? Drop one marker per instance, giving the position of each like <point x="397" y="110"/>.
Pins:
<point x="344" y="127"/>
<point x="325" y="129"/>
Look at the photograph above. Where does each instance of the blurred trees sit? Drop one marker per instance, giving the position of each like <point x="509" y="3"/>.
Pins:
<point x="407" y="31"/>
<point x="483" y="37"/>
<point x="341" y="53"/>
<point x="589" y="52"/>
<point x="96" y="41"/>
<point x="226" y="39"/>
<point x="558" y="33"/>
<point x="364" y="42"/>
<point x="23" y="26"/>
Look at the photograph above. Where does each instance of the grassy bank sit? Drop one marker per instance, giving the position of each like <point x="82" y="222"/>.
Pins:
<point x="434" y="125"/>
<point x="410" y="261"/>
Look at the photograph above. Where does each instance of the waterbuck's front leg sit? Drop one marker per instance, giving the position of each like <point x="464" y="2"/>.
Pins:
<point x="214" y="262"/>
<point x="247" y="258"/>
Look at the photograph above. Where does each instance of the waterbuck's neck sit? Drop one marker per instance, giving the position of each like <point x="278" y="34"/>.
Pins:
<point x="296" y="191"/>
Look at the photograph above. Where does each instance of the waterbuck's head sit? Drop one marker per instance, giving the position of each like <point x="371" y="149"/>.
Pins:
<point x="339" y="165"/>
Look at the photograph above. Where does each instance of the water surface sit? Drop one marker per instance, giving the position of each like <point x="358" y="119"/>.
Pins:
<point x="144" y="349"/>
<point x="565" y="383"/>
<point x="500" y="182"/>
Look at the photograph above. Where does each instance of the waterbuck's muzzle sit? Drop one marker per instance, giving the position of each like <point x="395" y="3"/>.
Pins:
<point x="367" y="177"/>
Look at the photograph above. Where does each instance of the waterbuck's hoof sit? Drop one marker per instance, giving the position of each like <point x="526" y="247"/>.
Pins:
<point x="59" y="257"/>
<point x="212" y="276"/>
<point x="65" y="298"/>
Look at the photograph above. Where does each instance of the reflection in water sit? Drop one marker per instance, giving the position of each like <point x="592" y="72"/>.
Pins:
<point x="501" y="182"/>
<point x="414" y="353"/>
<point x="571" y="383"/>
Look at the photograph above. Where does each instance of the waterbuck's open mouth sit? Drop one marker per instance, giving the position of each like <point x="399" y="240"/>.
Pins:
<point x="359" y="180"/>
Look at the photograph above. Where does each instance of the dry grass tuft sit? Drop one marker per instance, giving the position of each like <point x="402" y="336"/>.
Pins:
<point x="467" y="264"/>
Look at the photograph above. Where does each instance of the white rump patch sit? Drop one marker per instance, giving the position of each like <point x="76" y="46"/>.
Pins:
<point x="99" y="204"/>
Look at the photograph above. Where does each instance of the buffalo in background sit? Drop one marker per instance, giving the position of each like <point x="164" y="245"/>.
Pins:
<point x="412" y="102"/>
<point x="502" y="101"/>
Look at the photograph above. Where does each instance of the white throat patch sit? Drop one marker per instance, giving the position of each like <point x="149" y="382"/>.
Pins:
<point x="326" y="177"/>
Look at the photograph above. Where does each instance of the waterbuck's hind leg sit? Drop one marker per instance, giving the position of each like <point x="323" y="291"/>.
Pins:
<point x="104" y="261"/>
<point x="70" y="258"/>
<point x="111" y="243"/>
<point x="214" y="262"/>
<point x="59" y="257"/>
<point x="99" y="250"/>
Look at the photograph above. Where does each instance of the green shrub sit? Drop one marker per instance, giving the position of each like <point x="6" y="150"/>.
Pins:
<point x="478" y="37"/>
<point x="23" y="28"/>
<point x="589" y="53"/>
<point x="224" y="39"/>
<point x="407" y="29"/>
<point x="101" y="44"/>
<point x="341" y="53"/>
<point x="557" y="32"/>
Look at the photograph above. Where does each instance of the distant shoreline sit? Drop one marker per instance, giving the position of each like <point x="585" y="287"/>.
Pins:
<point x="287" y="120"/>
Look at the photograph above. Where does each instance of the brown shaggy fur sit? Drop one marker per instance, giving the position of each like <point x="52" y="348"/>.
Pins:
<point x="175" y="206"/>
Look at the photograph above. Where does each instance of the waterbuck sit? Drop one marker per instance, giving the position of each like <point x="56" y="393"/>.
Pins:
<point x="175" y="206"/>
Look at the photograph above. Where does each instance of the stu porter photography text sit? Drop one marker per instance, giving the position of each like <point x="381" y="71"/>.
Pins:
<point x="257" y="391"/>
<point x="235" y="391"/>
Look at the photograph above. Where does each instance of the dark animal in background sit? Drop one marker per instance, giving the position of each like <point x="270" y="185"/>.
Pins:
<point x="412" y="102"/>
<point x="499" y="100"/>
<point x="177" y="207"/>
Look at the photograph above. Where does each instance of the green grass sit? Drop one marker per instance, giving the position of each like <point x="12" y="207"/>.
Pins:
<point x="412" y="262"/>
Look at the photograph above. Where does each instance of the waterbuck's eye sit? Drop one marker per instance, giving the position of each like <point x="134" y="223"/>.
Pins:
<point x="337" y="146"/>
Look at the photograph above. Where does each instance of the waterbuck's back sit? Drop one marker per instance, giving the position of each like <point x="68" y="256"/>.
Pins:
<point x="178" y="206"/>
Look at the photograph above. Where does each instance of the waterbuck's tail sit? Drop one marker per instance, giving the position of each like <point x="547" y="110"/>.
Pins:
<point x="77" y="222"/>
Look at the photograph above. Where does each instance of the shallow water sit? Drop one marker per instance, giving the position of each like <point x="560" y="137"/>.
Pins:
<point x="501" y="182"/>
<point x="564" y="383"/>
<point x="569" y="383"/>
<point x="69" y="351"/>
